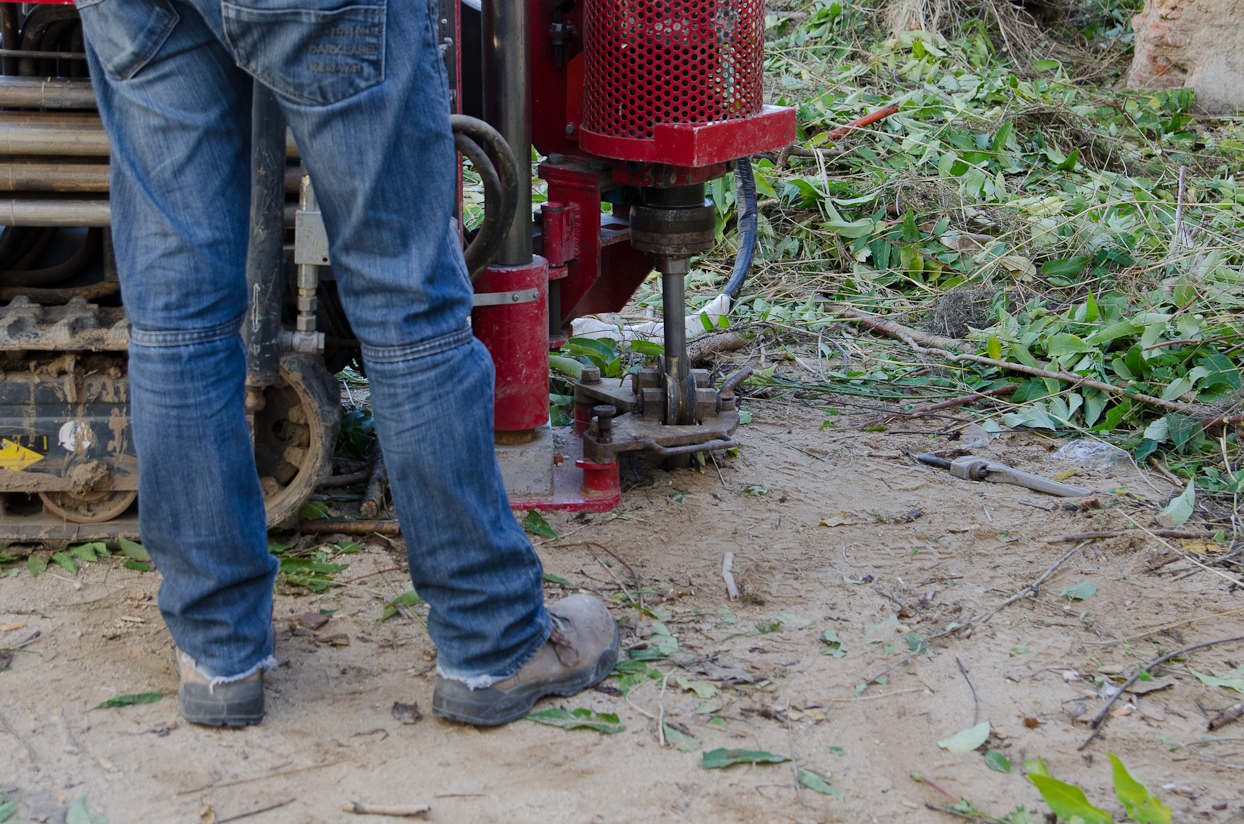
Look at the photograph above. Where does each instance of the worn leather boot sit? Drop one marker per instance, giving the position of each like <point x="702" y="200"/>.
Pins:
<point x="235" y="704"/>
<point x="580" y="653"/>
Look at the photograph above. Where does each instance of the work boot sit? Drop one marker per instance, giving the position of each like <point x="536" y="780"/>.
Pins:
<point x="580" y="653"/>
<point x="235" y="704"/>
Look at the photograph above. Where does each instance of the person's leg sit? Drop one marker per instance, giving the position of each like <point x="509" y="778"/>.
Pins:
<point x="365" y="95"/>
<point x="176" y="109"/>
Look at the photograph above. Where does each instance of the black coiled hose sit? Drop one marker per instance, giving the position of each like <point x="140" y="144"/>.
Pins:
<point x="748" y="220"/>
<point x="498" y="170"/>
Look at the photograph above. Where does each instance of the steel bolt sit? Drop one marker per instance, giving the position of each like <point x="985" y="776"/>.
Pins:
<point x="591" y="374"/>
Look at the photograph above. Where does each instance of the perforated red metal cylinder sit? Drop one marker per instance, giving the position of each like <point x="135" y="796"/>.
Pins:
<point x="670" y="61"/>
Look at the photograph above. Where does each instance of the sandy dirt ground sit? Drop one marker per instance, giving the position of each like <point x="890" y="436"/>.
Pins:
<point x="913" y="551"/>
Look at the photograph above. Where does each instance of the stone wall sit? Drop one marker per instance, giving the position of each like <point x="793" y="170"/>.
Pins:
<point x="1192" y="43"/>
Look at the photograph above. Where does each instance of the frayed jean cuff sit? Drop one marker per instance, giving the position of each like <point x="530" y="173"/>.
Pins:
<point x="483" y="682"/>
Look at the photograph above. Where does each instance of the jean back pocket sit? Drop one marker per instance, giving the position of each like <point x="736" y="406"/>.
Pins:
<point x="126" y="34"/>
<point x="310" y="55"/>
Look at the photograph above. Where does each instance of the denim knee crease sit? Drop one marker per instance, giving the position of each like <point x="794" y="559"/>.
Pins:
<point x="421" y="349"/>
<point x="158" y="338"/>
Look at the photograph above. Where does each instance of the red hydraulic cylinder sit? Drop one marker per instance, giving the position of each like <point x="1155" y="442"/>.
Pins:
<point x="511" y="318"/>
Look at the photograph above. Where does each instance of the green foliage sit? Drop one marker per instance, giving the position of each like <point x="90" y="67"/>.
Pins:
<point x="309" y="568"/>
<point x="1070" y="804"/>
<point x="409" y="598"/>
<point x="1141" y="804"/>
<point x="720" y="758"/>
<point x="577" y="719"/>
<point x="818" y="782"/>
<point x="358" y="433"/>
<point x="129" y="700"/>
<point x="535" y="523"/>
<point x="1080" y="592"/>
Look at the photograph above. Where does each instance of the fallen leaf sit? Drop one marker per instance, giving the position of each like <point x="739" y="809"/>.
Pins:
<point x="581" y="718"/>
<point x="78" y="813"/>
<point x="1202" y="547"/>
<point x="207" y="815"/>
<point x="409" y="598"/>
<point x="721" y="758"/>
<point x="338" y="640"/>
<point x="133" y="550"/>
<point x="1146" y="687"/>
<point x="1232" y="679"/>
<point x="312" y="620"/>
<point x="1080" y="592"/>
<point x="1031" y="723"/>
<point x="997" y="762"/>
<point x="129" y="700"/>
<point x="966" y="740"/>
<point x="681" y="740"/>
<point x="1065" y="474"/>
<point x="703" y="689"/>
<point x="715" y="704"/>
<point x="407" y="713"/>
<point x="818" y="782"/>
<point x="536" y="525"/>
<point x="840" y="519"/>
<point x="833" y="644"/>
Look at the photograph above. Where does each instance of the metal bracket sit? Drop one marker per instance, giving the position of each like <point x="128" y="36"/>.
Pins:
<point x="506" y="298"/>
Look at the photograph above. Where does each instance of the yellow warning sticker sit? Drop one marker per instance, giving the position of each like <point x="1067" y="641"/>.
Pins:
<point x="16" y="458"/>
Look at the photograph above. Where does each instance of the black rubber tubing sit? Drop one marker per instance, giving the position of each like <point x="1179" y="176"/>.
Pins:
<point x="498" y="169"/>
<point x="748" y="220"/>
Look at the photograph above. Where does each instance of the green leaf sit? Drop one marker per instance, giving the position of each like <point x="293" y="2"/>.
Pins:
<point x="1180" y="509"/>
<point x="833" y="644"/>
<point x="535" y="524"/>
<point x="911" y="232"/>
<point x="1232" y="680"/>
<point x="704" y="689"/>
<point x="681" y="741"/>
<point x="36" y="565"/>
<point x="129" y="700"/>
<point x="1141" y="805"/>
<point x="1068" y="268"/>
<point x="997" y="762"/>
<point x="966" y="740"/>
<point x="994" y="347"/>
<point x="646" y="347"/>
<point x="313" y="511"/>
<point x="1080" y="592"/>
<point x="7" y="809"/>
<point x="1069" y="165"/>
<point x="78" y="813"/>
<point x="818" y="782"/>
<point x="557" y="579"/>
<point x="1046" y="65"/>
<point x="66" y="560"/>
<point x="1066" y="800"/>
<point x="1066" y="344"/>
<point x="1035" y="766"/>
<point x="577" y="719"/>
<point x="88" y="552"/>
<point x="137" y="565"/>
<point x="409" y="598"/>
<point x="720" y="758"/>
<point x="854" y="229"/>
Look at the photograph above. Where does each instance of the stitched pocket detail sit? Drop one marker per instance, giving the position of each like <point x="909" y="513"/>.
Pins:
<point x="311" y="56"/>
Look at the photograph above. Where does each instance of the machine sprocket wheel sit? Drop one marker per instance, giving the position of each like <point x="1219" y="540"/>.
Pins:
<point x="88" y="507"/>
<point x="295" y="435"/>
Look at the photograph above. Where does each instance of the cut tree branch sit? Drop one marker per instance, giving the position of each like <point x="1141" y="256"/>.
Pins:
<point x="927" y="344"/>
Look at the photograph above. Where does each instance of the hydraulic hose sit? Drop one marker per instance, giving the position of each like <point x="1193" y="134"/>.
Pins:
<point x="748" y="220"/>
<point x="492" y="158"/>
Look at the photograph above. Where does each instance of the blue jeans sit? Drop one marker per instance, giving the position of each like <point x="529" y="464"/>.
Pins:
<point x="364" y="92"/>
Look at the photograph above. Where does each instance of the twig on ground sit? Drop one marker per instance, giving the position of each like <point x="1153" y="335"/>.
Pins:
<point x="1099" y="719"/>
<point x="953" y="402"/>
<point x="1231" y="713"/>
<point x="344" y="480"/>
<point x="330" y="527"/>
<point x="256" y="778"/>
<point x="405" y="811"/>
<point x="373" y="498"/>
<point x="1031" y="589"/>
<point x="871" y="697"/>
<point x="29" y="749"/>
<point x="1115" y="533"/>
<point x="639" y="587"/>
<point x="255" y="812"/>
<point x="957" y="814"/>
<point x="976" y="704"/>
<point x="727" y="564"/>
<point x="1236" y="581"/>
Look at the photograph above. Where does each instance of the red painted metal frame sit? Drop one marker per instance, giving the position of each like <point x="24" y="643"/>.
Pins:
<point x="517" y="337"/>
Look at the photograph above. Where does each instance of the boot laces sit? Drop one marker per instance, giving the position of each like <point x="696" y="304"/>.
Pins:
<point x="562" y="645"/>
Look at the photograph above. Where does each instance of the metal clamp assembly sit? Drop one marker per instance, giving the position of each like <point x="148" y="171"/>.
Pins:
<point x="506" y="298"/>
<point x="972" y="468"/>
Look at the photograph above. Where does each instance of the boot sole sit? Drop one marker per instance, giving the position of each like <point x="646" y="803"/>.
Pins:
<point x="492" y="707"/>
<point x="211" y="711"/>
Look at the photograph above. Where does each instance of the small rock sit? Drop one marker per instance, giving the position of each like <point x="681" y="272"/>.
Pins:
<point x="407" y="713"/>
